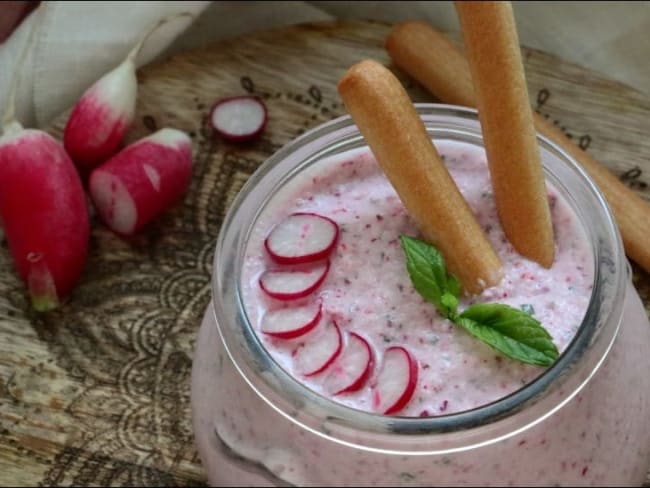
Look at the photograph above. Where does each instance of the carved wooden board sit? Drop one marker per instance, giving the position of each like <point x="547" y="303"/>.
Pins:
<point x="97" y="393"/>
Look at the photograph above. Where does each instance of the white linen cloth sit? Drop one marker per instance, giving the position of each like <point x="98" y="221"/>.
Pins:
<point x="79" y="41"/>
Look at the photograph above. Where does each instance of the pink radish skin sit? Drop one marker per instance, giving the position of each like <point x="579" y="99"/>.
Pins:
<point x="290" y="323"/>
<point x="302" y="238"/>
<point x="315" y="356"/>
<point x="102" y="117"/>
<point x="44" y="214"/>
<point x="104" y="113"/>
<point x="396" y="381"/>
<point x="293" y="284"/>
<point x="239" y="119"/>
<point x="142" y="181"/>
<point x="353" y="367"/>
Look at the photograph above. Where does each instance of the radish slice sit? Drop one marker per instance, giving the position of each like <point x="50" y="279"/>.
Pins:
<point x="318" y="354"/>
<point x="289" y="323"/>
<point x="396" y="382"/>
<point x="353" y="367"/>
<point x="293" y="284"/>
<point x="302" y="238"/>
<point x="239" y="119"/>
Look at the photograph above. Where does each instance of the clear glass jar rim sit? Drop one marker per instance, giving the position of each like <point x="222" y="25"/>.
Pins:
<point x="277" y="382"/>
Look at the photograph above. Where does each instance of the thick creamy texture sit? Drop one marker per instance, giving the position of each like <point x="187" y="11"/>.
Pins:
<point x="599" y="437"/>
<point x="245" y="442"/>
<point x="368" y="289"/>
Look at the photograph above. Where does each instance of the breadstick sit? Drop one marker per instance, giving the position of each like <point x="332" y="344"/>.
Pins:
<point x="412" y="45"/>
<point x="507" y="125"/>
<point x="397" y="137"/>
<point x="421" y="51"/>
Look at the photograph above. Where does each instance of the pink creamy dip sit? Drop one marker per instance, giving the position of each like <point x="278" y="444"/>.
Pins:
<point x="368" y="290"/>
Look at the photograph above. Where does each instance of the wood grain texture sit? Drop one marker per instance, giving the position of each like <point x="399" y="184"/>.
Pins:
<point x="97" y="393"/>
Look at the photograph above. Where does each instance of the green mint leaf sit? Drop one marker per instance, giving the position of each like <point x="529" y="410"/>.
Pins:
<point x="428" y="272"/>
<point x="449" y="301"/>
<point x="510" y="331"/>
<point x="453" y="285"/>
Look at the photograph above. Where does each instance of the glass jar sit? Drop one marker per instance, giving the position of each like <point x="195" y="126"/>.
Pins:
<point x="583" y="421"/>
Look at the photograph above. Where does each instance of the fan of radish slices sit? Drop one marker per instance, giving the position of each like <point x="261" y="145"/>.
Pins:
<point x="301" y="246"/>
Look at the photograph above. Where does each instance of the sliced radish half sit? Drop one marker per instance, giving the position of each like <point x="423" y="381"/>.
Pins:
<point x="239" y="119"/>
<point x="396" y="381"/>
<point x="315" y="356"/>
<point x="353" y="367"/>
<point x="292" y="322"/>
<point x="294" y="283"/>
<point x="302" y="238"/>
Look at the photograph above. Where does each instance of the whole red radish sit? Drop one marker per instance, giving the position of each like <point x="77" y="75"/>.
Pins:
<point x="101" y="118"/>
<point x="104" y="113"/>
<point x="44" y="214"/>
<point x="43" y="208"/>
<point x="142" y="180"/>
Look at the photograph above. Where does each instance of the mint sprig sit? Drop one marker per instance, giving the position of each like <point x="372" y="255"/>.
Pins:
<point x="428" y="273"/>
<point x="511" y="331"/>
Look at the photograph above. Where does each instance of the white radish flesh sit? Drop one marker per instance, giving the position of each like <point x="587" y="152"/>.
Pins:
<point x="316" y="355"/>
<point x="396" y="381"/>
<point x="302" y="238"/>
<point x="239" y="119"/>
<point x="142" y="181"/>
<point x="291" y="322"/>
<point x="104" y="113"/>
<point x="295" y="283"/>
<point x="353" y="367"/>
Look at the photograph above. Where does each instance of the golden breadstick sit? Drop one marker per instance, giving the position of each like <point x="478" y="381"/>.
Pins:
<point x="420" y="51"/>
<point x="507" y="125"/>
<point x="411" y="45"/>
<point x="397" y="137"/>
